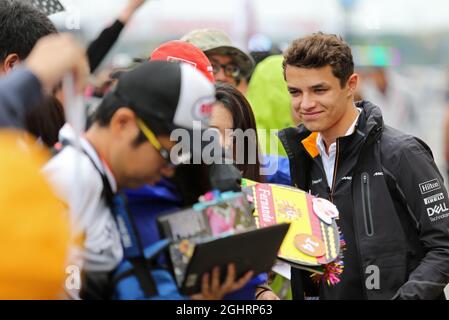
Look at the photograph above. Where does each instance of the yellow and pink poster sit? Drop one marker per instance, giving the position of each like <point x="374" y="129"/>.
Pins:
<point x="313" y="237"/>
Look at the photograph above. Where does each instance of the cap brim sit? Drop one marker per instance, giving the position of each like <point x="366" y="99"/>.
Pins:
<point x="243" y="60"/>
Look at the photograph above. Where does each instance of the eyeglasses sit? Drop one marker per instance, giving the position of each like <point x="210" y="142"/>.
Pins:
<point x="230" y="69"/>
<point x="165" y="154"/>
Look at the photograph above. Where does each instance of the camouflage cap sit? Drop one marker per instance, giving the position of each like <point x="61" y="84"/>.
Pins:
<point x="213" y="41"/>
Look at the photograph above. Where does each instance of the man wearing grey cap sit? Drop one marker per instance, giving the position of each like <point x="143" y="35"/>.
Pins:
<point x="230" y="64"/>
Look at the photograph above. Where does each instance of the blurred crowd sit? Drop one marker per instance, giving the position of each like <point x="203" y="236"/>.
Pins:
<point x="76" y="132"/>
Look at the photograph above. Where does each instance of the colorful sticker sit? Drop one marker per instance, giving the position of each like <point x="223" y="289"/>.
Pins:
<point x="310" y="245"/>
<point x="325" y="210"/>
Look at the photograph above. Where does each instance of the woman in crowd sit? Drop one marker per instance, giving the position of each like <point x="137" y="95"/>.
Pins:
<point x="231" y="112"/>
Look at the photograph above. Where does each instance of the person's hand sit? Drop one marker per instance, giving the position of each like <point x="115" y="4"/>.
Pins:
<point x="129" y="10"/>
<point x="54" y="56"/>
<point x="212" y="290"/>
<point x="264" y="294"/>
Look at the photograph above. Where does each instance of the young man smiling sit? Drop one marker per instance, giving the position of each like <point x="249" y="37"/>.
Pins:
<point x="393" y="219"/>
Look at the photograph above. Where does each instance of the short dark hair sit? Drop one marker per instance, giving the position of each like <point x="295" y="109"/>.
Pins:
<point x="45" y="120"/>
<point x="21" y="26"/>
<point x="319" y="50"/>
<point x="106" y="110"/>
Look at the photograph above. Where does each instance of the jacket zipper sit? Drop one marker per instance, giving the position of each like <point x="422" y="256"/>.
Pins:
<point x="366" y="201"/>
<point x="331" y="191"/>
<point x="331" y="198"/>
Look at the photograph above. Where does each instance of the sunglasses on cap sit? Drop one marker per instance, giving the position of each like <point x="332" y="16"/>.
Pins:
<point x="173" y="161"/>
<point x="230" y="69"/>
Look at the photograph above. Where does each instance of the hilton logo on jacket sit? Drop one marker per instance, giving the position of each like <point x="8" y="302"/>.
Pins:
<point x="429" y="186"/>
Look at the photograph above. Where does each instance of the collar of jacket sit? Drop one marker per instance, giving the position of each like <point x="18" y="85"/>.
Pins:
<point x="370" y="123"/>
<point x="300" y="144"/>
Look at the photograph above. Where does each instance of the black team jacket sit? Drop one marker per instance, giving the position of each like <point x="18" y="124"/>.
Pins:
<point x="394" y="211"/>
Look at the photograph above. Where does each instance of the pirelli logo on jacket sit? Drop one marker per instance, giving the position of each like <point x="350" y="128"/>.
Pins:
<point x="434" y="201"/>
<point x="434" y="198"/>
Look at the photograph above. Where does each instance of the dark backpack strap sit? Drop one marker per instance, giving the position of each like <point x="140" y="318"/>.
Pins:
<point x="143" y="275"/>
<point x="132" y="247"/>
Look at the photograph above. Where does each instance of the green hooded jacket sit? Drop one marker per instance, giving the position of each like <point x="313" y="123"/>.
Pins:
<point x="270" y="101"/>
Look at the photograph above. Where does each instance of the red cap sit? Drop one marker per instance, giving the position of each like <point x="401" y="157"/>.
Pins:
<point x="182" y="51"/>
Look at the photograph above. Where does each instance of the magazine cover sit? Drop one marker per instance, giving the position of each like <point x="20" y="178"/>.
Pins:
<point x="313" y="239"/>
<point x="214" y="218"/>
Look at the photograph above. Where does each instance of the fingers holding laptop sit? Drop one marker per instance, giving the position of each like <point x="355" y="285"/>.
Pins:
<point x="231" y="284"/>
<point x="211" y="289"/>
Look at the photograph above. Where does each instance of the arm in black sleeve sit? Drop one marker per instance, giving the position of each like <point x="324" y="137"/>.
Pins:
<point x="423" y="189"/>
<point x="99" y="48"/>
<point x="20" y="91"/>
<point x="302" y="285"/>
